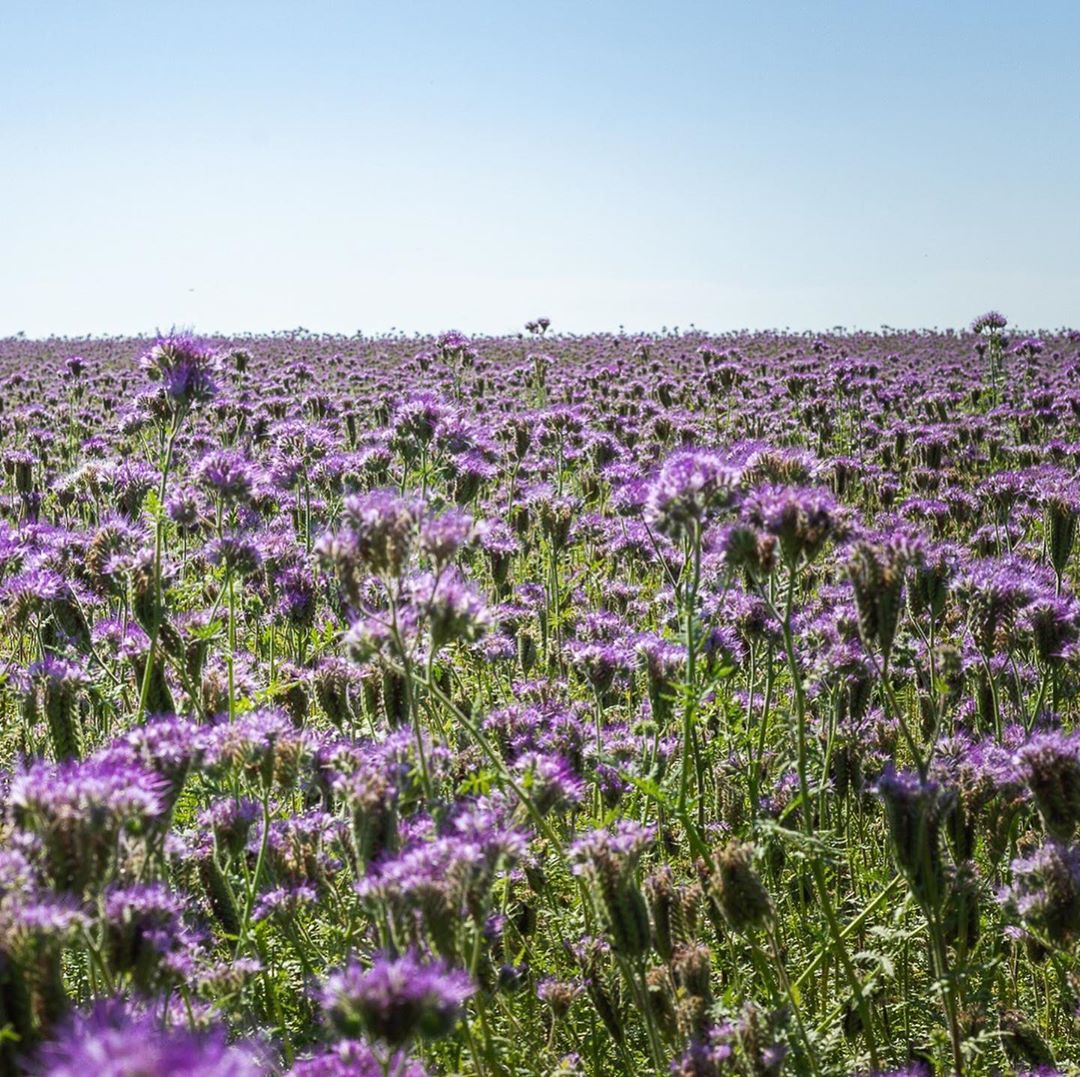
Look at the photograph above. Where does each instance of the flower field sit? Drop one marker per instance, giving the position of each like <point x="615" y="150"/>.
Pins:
<point x="544" y="704"/>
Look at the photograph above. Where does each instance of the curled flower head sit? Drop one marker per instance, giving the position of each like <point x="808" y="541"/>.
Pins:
<point x="1053" y="623"/>
<point x="876" y="570"/>
<point x="914" y="809"/>
<point x="801" y="519"/>
<point x="441" y="537"/>
<point x="142" y="926"/>
<point x="991" y="320"/>
<point x="688" y="485"/>
<point x="607" y="859"/>
<point x="80" y="810"/>
<point x="395" y="1000"/>
<point x="380" y="528"/>
<point x="416" y="419"/>
<point x="1045" y="891"/>
<point x="549" y="781"/>
<point x="236" y="553"/>
<point x="737" y="889"/>
<point x="118" y="1040"/>
<point x="449" y="606"/>
<point x="1050" y="766"/>
<point x="225" y="473"/>
<point x="995" y="592"/>
<point x="185" y="370"/>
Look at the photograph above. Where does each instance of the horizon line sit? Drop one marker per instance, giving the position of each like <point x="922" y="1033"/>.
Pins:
<point x="395" y="333"/>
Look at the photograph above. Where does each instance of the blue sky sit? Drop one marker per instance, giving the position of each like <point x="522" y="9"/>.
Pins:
<point x="421" y="165"/>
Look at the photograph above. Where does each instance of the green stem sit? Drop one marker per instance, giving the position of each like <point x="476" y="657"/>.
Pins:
<point x="256" y="876"/>
<point x="816" y="868"/>
<point x="159" y="545"/>
<point x="689" y="743"/>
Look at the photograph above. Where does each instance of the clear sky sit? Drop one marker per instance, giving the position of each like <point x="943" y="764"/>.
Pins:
<point x="423" y="165"/>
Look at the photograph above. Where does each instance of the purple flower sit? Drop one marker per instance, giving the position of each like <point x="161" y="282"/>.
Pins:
<point x="607" y="859"/>
<point x="995" y="592"/>
<point x="664" y="659"/>
<point x="707" y="1057"/>
<point x="230" y="820"/>
<point x="688" y="485"/>
<point x="558" y="994"/>
<point x="441" y="537"/>
<point x="1028" y="346"/>
<point x="801" y="519"/>
<point x="449" y="606"/>
<point x="32" y="591"/>
<point x="237" y="553"/>
<point x="1045" y="891"/>
<point x="80" y="810"/>
<point x="117" y="1041"/>
<point x="263" y="742"/>
<point x="296" y="601"/>
<point x="142" y="926"/>
<point x="354" y="1058"/>
<point x="1054" y="625"/>
<point x="1050" y="766"/>
<point x="549" y="781"/>
<point x="284" y="903"/>
<point x="60" y="684"/>
<point x="226" y="473"/>
<point x="990" y="320"/>
<point x="183" y="508"/>
<point x="601" y="662"/>
<point x="379" y="531"/>
<point x="396" y="1000"/>
<point x="416" y="419"/>
<point x="447" y="878"/>
<point x="876" y="570"/>
<point x="914" y="808"/>
<point x="36" y="924"/>
<point x="185" y="370"/>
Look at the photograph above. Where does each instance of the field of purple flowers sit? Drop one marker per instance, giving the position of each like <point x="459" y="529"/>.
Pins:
<point x="540" y="705"/>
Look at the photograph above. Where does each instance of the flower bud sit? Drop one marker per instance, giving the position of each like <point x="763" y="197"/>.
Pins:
<point x="737" y="889"/>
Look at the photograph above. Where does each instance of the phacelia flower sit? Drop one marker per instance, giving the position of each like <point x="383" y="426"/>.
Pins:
<point x="116" y="1040"/>
<point x="395" y="1000"/>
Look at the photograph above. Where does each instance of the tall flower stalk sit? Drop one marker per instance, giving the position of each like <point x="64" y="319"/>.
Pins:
<point x="182" y="376"/>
